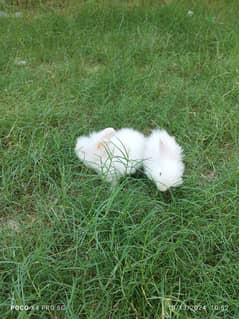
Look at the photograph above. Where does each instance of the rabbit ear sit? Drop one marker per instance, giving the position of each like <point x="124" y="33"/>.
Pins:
<point x="168" y="146"/>
<point x="105" y="137"/>
<point x="107" y="133"/>
<point x="164" y="150"/>
<point x="165" y="143"/>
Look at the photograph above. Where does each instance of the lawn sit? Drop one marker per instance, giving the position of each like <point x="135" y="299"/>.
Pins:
<point x="72" y="247"/>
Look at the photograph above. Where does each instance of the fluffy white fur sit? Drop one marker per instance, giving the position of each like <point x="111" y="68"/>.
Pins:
<point x="112" y="153"/>
<point x="163" y="160"/>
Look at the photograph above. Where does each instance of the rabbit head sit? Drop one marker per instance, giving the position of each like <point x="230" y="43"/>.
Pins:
<point x="163" y="160"/>
<point x="90" y="149"/>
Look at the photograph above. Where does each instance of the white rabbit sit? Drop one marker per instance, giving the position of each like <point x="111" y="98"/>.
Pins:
<point x="163" y="160"/>
<point x="112" y="153"/>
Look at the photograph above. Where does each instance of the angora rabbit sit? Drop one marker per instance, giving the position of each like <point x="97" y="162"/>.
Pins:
<point x="163" y="160"/>
<point x="112" y="153"/>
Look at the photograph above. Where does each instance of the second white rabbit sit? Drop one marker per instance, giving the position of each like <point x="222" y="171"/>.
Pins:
<point x="163" y="160"/>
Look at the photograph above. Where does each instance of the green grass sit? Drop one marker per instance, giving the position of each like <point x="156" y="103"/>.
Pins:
<point x="131" y="252"/>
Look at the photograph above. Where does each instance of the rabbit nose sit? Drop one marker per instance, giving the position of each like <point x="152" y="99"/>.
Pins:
<point x="163" y="187"/>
